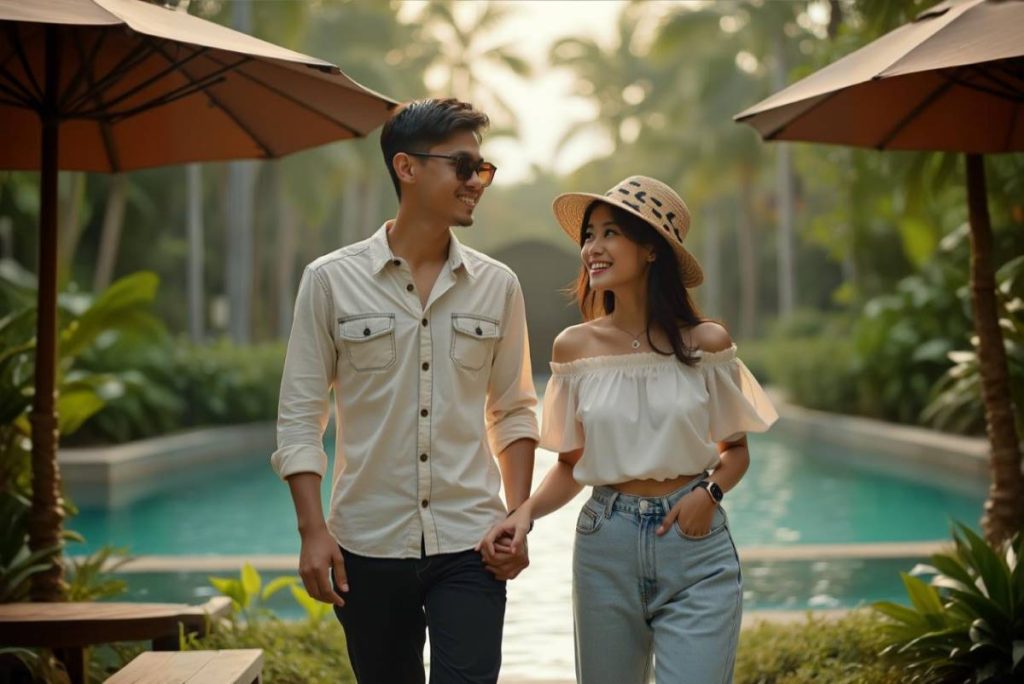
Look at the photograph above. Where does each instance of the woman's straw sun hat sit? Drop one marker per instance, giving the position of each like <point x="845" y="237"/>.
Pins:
<point x="647" y="199"/>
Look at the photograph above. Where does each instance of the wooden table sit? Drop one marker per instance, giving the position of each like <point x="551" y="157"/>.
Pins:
<point x="69" y="628"/>
<point x="243" y="666"/>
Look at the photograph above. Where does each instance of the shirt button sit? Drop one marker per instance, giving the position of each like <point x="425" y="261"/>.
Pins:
<point x="426" y="366"/>
<point x="424" y="413"/>
<point x="479" y="331"/>
<point x="424" y="503"/>
<point x="409" y="287"/>
<point x="423" y="457"/>
<point x="396" y="262"/>
<point x="424" y="322"/>
<point x="366" y="332"/>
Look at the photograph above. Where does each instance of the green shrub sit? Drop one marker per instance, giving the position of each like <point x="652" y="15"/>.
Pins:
<point x="303" y="652"/>
<point x="967" y="625"/>
<point x="956" y="404"/>
<point x="818" y="651"/>
<point x="810" y="356"/>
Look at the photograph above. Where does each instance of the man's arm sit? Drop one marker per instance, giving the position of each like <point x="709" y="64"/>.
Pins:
<point x="309" y="372"/>
<point x="512" y="423"/>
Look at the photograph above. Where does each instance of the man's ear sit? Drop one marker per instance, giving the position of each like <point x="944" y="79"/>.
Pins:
<point x="404" y="167"/>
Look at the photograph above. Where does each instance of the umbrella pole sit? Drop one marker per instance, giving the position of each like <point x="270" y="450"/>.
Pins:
<point x="47" y="512"/>
<point x="1004" y="509"/>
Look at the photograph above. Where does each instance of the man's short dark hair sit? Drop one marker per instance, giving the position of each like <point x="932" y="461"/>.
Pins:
<point x="419" y="125"/>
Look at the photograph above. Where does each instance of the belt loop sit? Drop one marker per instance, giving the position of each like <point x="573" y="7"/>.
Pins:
<point x="610" y="502"/>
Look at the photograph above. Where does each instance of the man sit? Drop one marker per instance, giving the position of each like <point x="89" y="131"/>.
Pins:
<point x="424" y="342"/>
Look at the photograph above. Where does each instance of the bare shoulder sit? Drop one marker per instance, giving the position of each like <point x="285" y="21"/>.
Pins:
<point x="571" y="343"/>
<point x="710" y="337"/>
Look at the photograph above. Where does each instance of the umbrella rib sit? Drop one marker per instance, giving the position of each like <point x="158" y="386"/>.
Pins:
<point x="166" y="98"/>
<point x="22" y="98"/>
<point x="86" y="73"/>
<point x="129" y="62"/>
<point x="174" y="66"/>
<point x="918" y="108"/>
<point x="231" y="115"/>
<point x="19" y="49"/>
<point x="86" y="62"/>
<point x="782" y="127"/>
<point x="32" y="99"/>
<point x="298" y="102"/>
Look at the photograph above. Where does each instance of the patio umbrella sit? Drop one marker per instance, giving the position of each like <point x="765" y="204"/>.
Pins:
<point x="952" y="80"/>
<point x="116" y="85"/>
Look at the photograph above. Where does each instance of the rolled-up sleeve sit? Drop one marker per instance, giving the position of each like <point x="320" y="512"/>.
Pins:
<point x="511" y="397"/>
<point x="309" y="372"/>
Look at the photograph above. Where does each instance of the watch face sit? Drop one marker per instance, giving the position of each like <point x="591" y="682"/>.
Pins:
<point x="716" y="491"/>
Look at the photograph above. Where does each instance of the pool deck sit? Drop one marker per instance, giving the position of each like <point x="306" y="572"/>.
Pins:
<point x="796" y="552"/>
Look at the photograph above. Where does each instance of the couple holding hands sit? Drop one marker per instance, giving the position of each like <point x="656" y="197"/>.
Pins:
<point x="424" y="342"/>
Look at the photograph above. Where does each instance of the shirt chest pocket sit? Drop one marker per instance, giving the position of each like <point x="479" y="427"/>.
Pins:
<point x="368" y="340"/>
<point x="473" y="339"/>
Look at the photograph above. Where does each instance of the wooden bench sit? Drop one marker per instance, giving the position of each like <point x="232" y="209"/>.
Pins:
<point x="193" y="667"/>
<point x="69" y="628"/>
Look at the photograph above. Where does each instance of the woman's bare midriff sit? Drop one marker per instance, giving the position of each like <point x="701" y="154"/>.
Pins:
<point x="653" y="487"/>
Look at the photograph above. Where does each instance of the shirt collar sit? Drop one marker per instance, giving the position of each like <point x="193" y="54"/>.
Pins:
<point x="381" y="254"/>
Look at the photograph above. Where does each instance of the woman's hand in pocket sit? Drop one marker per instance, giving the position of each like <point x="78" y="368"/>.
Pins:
<point x="693" y="513"/>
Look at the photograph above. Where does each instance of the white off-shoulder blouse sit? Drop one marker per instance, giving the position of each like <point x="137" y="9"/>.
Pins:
<point x="649" y="416"/>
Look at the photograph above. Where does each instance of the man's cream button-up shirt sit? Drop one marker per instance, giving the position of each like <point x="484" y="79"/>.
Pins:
<point x="424" y="396"/>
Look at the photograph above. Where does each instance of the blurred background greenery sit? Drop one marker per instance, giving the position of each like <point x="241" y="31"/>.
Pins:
<point x="842" y="273"/>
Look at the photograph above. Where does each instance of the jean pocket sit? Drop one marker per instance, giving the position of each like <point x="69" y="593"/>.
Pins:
<point x="369" y="340"/>
<point x="473" y="339"/>
<point x="718" y="525"/>
<point x="589" y="520"/>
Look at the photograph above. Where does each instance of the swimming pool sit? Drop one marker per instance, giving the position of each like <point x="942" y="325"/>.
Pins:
<point x="794" y="493"/>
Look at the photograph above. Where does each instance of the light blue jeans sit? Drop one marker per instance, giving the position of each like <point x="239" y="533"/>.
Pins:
<point x="636" y="594"/>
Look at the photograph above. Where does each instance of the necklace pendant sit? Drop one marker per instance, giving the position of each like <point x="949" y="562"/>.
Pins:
<point x="636" y="344"/>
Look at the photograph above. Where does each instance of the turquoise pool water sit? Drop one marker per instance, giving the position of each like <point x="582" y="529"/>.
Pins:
<point x="794" y="493"/>
<point x="775" y="585"/>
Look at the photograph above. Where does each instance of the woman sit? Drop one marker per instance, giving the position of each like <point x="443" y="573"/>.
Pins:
<point x="649" y="405"/>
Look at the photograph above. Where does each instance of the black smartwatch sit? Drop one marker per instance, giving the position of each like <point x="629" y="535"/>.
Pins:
<point x="713" y="489"/>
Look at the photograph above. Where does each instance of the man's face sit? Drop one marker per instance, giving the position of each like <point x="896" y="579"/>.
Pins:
<point x="438" y="188"/>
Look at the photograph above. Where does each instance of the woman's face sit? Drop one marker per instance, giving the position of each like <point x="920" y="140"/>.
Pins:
<point x="612" y="260"/>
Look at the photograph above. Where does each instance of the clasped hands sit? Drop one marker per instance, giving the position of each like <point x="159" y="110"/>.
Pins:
<point x="504" y="548"/>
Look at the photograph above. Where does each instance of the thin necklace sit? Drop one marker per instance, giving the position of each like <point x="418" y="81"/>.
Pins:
<point x="636" y="338"/>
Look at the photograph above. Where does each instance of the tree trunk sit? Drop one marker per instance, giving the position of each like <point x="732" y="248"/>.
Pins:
<point x="1004" y="509"/>
<point x="287" y="227"/>
<point x="47" y="512"/>
<point x="194" y="285"/>
<point x="784" y="202"/>
<point x="747" y="256"/>
<point x="70" y="227"/>
<point x="712" y="264"/>
<point x="110" y="238"/>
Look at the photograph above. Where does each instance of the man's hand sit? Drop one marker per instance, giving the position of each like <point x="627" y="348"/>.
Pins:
<point x="319" y="554"/>
<point x="506" y="561"/>
<point x="504" y="546"/>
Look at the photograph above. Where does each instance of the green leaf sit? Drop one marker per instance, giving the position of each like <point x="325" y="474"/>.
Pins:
<point x="251" y="581"/>
<point x="231" y="588"/>
<point x="899" y="613"/>
<point x="276" y="585"/>
<point x="923" y="596"/>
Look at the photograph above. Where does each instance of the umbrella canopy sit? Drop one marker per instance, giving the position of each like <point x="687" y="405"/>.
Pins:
<point x="141" y="85"/>
<point x="115" y="85"/>
<point x="952" y="80"/>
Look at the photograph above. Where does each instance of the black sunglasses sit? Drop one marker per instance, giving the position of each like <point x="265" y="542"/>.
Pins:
<point x="466" y="166"/>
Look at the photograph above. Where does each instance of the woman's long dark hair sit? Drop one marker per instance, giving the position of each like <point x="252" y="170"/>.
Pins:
<point x="669" y="305"/>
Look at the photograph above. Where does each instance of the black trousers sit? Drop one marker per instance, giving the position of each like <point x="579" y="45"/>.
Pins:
<point x="392" y="602"/>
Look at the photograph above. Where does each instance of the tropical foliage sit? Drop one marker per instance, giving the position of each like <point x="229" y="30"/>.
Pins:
<point x="967" y="624"/>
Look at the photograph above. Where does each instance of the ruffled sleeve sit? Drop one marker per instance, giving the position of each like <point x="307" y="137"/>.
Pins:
<point x="561" y="429"/>
<point x="737" y="403"/>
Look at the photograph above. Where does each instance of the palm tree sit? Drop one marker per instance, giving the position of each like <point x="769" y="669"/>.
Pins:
<point x="464" y="56"/>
